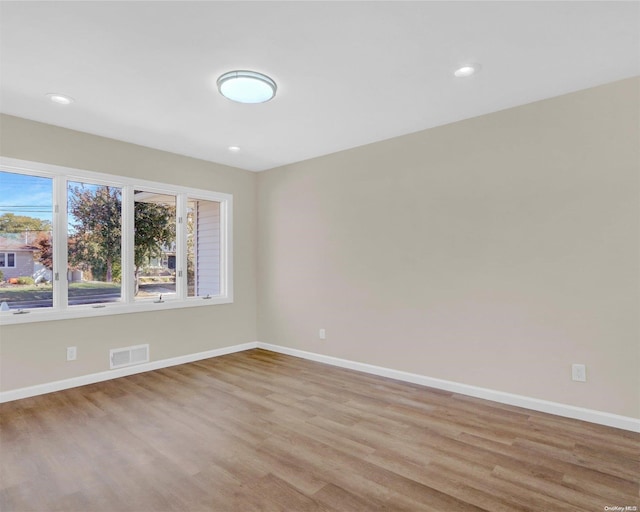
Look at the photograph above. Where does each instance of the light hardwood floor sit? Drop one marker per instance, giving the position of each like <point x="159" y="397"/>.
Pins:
<point x="259" y="431"/>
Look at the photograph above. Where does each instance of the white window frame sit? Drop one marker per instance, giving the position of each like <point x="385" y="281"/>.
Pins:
<point x="6" y="259"/>
<point x="128" y="303"/>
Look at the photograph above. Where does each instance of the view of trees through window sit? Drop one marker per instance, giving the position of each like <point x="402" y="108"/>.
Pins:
<point x="26" y="268"/>
<point x="94" y="244"/>
<point x="155" y="244"/>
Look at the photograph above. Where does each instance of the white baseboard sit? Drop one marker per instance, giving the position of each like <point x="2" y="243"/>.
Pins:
<point x="568" y="411"/>
<point x="59" y="385"/>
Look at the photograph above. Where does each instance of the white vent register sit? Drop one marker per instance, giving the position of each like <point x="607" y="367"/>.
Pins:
<point x="128" y="356"/>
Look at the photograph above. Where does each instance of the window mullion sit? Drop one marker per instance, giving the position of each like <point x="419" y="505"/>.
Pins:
<point x="226" y="245"/>
<point x="60" y="254"/>
<point x="128" y="241"/>
<point x="181" y="246"/>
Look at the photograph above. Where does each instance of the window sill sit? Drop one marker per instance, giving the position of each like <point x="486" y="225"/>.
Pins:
<point x="48" y="315"/>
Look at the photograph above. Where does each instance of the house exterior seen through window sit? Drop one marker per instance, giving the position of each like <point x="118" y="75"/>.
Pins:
<point x="7" y="259"/>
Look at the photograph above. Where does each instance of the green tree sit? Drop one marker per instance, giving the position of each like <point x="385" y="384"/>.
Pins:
<point x="95" y="241"/>
<point x="11" y="223"/>
<point x="96" y="229"/>
<point x="155" y="230"/>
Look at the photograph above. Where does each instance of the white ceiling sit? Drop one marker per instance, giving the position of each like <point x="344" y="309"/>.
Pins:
<point x="348" y="73"/>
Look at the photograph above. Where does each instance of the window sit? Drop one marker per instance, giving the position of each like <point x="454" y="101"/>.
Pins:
<point x="26" y="257"/>
<point x="94" y="243"/>
<point x="154" y="245"/>
<point x="203" y="248"/>
<point x="89" y="244"/>
<point x="7" y="259"/>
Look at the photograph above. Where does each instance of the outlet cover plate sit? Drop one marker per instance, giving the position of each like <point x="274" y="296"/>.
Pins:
<point x="579" y="372"/>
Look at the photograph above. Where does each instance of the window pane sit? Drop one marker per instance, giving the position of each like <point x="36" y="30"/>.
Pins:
<point x="26" y="259"/>
<point x="203" y="248"/>
<point x="155" y="245"/>
<point x="94" y="243"/>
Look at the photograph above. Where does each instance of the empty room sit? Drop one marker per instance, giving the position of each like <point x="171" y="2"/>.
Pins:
<point x="319" y="256"/>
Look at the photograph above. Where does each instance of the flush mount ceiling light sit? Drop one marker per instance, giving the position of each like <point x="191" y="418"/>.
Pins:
<point x="246" y="86"/>
<point x="468" y="70"/>
<point x="61" y="99"/>
<point x="234" y="149"/>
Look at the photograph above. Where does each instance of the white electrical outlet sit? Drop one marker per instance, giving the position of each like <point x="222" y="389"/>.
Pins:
<point x="72" y="353"/>
<point x="579" y="372"/>
<point x="322" y="334"/>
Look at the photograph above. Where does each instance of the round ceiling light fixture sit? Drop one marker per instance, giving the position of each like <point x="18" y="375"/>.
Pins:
<point x="61" y="99"/>
<point x="468" y="70"/>
<point x="234" y="149"/>
<point x="246" y="86"/>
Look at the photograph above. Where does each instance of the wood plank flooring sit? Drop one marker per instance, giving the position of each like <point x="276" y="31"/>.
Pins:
<point x="260" y="431"/>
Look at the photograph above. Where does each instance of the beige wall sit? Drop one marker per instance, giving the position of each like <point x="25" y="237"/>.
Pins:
<point x="494" y="252"/>
<point x="35" y="353"/>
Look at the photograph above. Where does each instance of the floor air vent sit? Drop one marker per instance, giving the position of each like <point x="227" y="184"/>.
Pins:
<point x="128" y="356"/>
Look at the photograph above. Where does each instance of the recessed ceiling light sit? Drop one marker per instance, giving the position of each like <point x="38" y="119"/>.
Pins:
<point x="246" y="86"/>
<point x="234" y="149"/>
<point x="62" y="99"/>
<point x="468" y="70"/>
